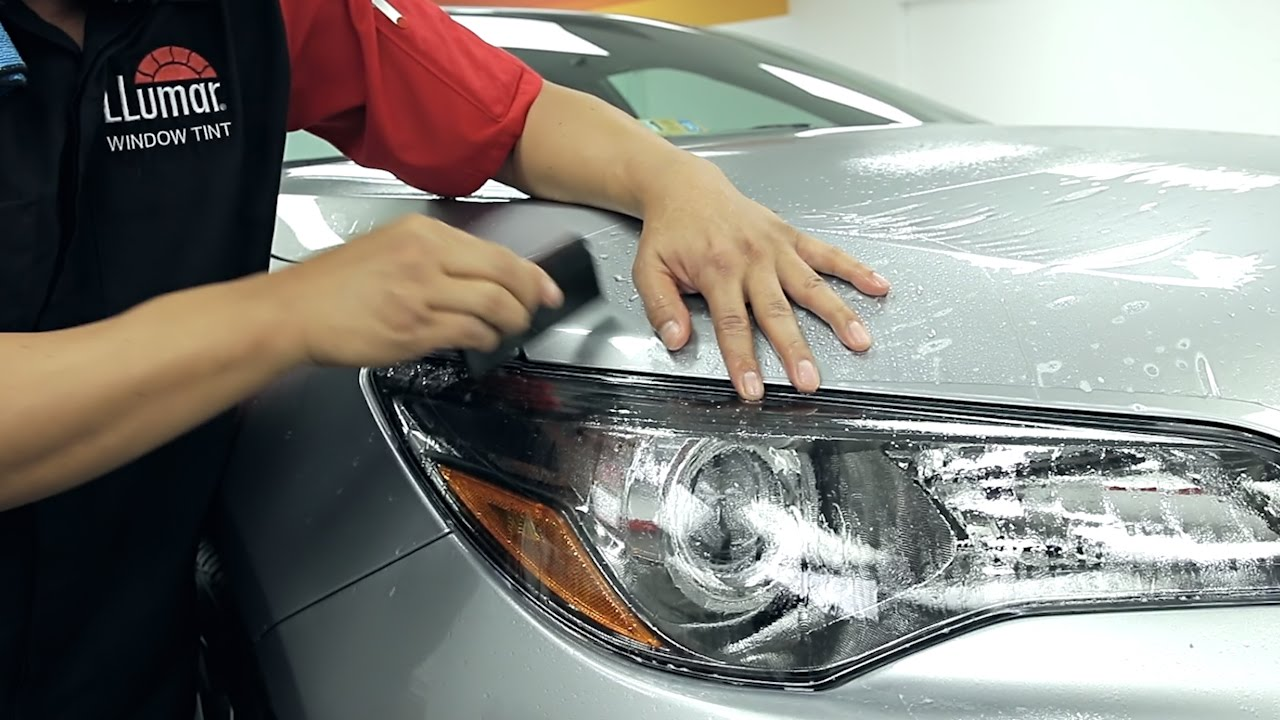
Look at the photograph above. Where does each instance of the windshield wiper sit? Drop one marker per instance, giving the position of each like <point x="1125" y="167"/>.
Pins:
<point x="783" y="126"/>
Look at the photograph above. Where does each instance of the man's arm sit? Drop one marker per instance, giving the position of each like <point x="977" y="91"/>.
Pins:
<point x="577" y="148"/>
<point x="409" y="90"/>
<point x="700" y="234"/>
<point x="83" y="401"/>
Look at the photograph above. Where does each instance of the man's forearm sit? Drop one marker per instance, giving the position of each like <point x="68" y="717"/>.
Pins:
<point x="579" y="149"/>
<point x="83" y="401"/>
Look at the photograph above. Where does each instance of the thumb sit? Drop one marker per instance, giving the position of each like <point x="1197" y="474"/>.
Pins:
<point x="663" y="303"/>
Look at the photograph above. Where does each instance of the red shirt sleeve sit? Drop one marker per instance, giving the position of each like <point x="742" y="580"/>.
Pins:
<point x="398" y="85"/>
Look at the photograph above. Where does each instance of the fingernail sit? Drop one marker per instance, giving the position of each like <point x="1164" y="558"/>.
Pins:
<point x="859" y="335"/>
<point x="752" y="387"/>
<point x="670" y="334"/>
<point x="551" y="293"/>
<point x="807" y="374"/>
<point x="880" y="279"/>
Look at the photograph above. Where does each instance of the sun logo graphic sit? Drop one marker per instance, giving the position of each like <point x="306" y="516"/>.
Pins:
<point x="170" y="82"/>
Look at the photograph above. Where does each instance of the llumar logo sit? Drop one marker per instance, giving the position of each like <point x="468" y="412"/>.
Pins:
<point x="171" y="83"/>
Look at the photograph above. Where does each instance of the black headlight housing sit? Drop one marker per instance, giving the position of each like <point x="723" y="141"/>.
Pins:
<point x="798" y="541"/>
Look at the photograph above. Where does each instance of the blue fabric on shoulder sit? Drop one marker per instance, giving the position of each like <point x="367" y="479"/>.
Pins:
<point x="13" y="72"/>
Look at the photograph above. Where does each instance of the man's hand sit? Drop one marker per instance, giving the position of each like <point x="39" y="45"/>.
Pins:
<point x="700" y="234"/>
<point x="706" y="237"/>
<point x="409" y="288"/>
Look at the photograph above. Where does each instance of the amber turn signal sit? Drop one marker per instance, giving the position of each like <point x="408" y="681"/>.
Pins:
<point x="546" y="546"/>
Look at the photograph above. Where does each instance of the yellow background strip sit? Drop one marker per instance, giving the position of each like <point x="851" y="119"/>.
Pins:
<point x="690" y="12"/>
<point x="701" y="12"/>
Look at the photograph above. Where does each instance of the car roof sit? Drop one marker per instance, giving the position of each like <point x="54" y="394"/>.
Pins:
<point x="581" y="17"/>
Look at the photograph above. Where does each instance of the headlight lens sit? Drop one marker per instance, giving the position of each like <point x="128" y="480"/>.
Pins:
<point x="799" y="540"/>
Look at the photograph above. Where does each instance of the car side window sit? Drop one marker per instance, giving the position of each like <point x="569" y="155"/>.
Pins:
<point x="302" y="145"/>
<point x="715" y="106"/>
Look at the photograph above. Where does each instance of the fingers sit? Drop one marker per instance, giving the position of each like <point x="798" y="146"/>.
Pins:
<point x="831" y="261"/>
<point x="663" y="305"/>
<point x="494" y="263"/>
<point x="488" y="301"/>
<point x="812" y="292"/>
<point x="777" y="319"/>
<point x="734" y="331"/>
<point x="465" y="256"/>
<point x="460" y="331"/>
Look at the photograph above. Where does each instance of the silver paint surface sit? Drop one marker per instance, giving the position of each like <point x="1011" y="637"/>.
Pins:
<point x="436" y="636"/>
<point x="312" y="498"/>
<point x="1087" y="269"/>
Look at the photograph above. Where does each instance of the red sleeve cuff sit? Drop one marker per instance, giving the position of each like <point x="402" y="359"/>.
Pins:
<point x="489" y="156"/>
<point x="406" y="89"/>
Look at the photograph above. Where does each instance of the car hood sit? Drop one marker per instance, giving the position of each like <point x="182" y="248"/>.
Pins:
<point x="1113" y="270"/>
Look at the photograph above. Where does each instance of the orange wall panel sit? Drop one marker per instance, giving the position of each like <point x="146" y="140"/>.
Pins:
<point x="692" y="12"/>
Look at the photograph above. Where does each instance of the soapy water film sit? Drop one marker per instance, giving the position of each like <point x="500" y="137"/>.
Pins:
<point x="1130" y="230"/>
<point x="837" y="553"/>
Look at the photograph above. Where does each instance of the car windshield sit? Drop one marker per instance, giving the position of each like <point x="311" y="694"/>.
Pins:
<point x="685" y="81"/>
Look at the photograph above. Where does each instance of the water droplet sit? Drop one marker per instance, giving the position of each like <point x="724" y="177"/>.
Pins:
<point x="634" y="298"/>
<point x="1160" y="349"/>
<point x="1135" y="307"/>
<point x="932" y="333"/>
<point x="934" y="346"/>
<point x="1129" y="361"/>
<point x="1062" y="302"/>
<point x="604" y="256"/>
<point x="1085" y="386"/>
<point x="1184" y="343"/>
<point x="1182" y="364"/>
<point x="1151" y="370"/>
<point x="1139" y="407"/>
<point x="1117" y="320"/>
<point x="1047" y="368"/>
<point x="1208" y="381"/>
<point x="619" y="278"/>
<point x="1095" y="346"/>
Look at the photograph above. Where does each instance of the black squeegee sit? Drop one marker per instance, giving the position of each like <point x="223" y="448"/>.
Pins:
<point x="571" y="266"/>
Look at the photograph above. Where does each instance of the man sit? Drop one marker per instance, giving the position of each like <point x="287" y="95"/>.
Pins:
<point x="139" y="166"/>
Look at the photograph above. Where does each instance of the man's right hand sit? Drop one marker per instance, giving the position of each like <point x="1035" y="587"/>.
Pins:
<point x="409" y="288"/>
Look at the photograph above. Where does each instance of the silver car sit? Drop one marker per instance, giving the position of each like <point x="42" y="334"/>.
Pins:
<point x="1050" y="491"/>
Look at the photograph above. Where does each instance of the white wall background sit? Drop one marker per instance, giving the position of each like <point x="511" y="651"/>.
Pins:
<point x="1206" y="64"/>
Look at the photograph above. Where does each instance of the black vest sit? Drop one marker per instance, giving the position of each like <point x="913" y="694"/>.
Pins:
<point x="146" y="164"/>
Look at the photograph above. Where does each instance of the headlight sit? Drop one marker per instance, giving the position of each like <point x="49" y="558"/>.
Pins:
<point x="801" y="540"/>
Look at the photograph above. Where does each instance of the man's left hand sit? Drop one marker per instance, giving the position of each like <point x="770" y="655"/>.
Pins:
<point x="704" y="236"/>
